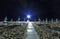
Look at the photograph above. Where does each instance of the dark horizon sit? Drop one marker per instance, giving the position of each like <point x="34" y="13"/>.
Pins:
<point x="37" y="8"/>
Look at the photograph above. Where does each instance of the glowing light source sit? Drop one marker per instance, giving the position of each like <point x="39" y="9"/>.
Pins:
<point x="28" y="16"/>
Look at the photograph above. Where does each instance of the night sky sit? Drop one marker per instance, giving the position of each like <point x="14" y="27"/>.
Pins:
<point x="36" y="8"/>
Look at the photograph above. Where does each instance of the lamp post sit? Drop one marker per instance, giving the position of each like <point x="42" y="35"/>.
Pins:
<point x="46" y="20"/>
<point x="56" y="20"/>
<point x="52" y="21"/>
<point x="28" y="16"/>
<point x="18" y="21"/>
<point x="5" y="21"/>
<point x="39" y="20"/>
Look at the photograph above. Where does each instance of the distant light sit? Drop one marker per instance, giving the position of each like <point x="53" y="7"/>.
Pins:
<point x="28" y="16"/>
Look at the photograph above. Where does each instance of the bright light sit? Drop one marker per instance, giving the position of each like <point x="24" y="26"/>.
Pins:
<point x="28" y="16"/>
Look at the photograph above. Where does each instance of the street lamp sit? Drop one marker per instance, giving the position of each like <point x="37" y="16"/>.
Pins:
<point x="28" y="16"/>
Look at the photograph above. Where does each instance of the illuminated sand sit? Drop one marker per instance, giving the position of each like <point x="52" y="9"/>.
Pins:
<point x="31" y="32"/>
<point x="35" y="30"/>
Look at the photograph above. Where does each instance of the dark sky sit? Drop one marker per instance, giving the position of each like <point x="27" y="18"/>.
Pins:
<point x="37" y="8"/>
